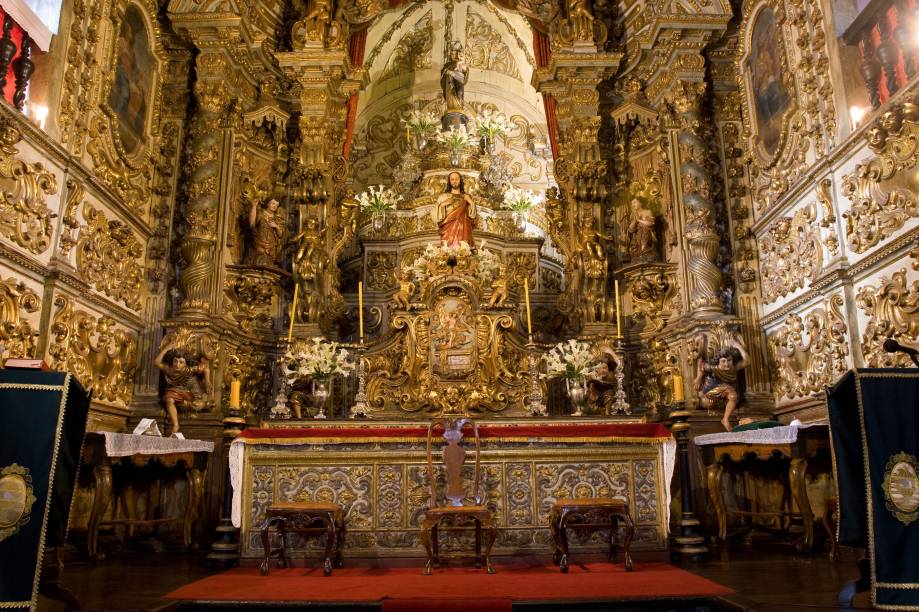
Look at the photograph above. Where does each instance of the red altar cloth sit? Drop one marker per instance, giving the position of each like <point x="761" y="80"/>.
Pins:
<point x="601" y="432"/>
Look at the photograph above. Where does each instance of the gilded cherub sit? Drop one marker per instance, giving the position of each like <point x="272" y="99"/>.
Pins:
<point x="403" y="296"/>
<point x="499" y="288"/>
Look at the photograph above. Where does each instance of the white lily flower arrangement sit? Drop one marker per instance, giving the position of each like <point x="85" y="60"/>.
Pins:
<point x="378" y="199"/>
<point x="488" y="264"/>
<point x="490" y="124"/>
<point x="457" y="137"/>
<point x="421" y="122"/>
<point x="572" y="359"/>
<point x="318" y="360"/>
<point x="520" y="200"/>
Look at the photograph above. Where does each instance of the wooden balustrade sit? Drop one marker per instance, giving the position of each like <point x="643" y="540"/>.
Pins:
<point x="887" y="34"/>
<point x="16" y="65"/>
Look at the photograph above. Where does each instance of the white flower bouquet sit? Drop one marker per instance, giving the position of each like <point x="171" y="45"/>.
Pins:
<point x="319" y="360"/>
<point x="520" y="200"/>
<point x="378" y="199"/>
<point x="456" y="138"/>
<point x="488" y="264"/>
<point x="490" y="124"/>
<point x="421" y="122"/>
<point x="572" y="360"/>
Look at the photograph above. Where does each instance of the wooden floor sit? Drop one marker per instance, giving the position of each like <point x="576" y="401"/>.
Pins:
<point x="767" y="575"/>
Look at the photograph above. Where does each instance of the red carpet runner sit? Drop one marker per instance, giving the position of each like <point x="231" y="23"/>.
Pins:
<point x="520" y="580"/>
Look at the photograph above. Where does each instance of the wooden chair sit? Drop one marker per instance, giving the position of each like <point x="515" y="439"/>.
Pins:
<point x="454" y="504"/>
<point x="309" y="518"/>
<point x="575" y="513"/>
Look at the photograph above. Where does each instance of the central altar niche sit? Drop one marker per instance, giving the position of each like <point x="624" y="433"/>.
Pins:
<point x="448" y="349"/>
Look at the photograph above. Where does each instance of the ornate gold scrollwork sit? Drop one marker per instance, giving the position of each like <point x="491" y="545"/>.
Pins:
<point x="893" y="312"/>
<point x="486" y="49"/>
<point x="101" y="356"/>
<point x="107" y="258"/>
<point x="652" y="291"/>
<point x="884" y="190"/>
<point x="16" y="334"/>
<point x="24" y="215"/>
<point x="790" y="253"/>
<point x="249" y="295"/>
<point x="809" y="353"/>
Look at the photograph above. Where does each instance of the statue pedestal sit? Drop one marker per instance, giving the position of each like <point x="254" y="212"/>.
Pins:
<point x="453" y="118"/>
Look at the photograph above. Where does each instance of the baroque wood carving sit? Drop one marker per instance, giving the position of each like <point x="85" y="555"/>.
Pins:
<point x="108" y="258"/>
<point x="790" y="253"/>
<point x="892" y="307"/>
<point x="17" y="337"/>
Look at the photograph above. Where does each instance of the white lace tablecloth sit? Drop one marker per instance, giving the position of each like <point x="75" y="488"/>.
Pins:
<point x="125" y="445"/>
<point x="787" y="434"/>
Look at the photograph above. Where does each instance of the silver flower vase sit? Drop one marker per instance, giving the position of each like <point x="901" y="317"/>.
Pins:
<point x="320" y="397"/>
<point x="577" y="393"/>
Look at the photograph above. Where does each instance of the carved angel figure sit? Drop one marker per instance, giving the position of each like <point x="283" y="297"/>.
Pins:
<point x="307" y="270"/>
<point x="403" y="296"/>
<point x="187" y="379"/>
<point x="499" y="288"/>
<point x="720" y="379"/>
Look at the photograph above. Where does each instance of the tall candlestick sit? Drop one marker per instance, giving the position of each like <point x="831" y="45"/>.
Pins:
<point x="408" y="138"/>
<point x="293" y="314"/>
<point x="677" y="388"/>
<point x="360" y="307"/>
<point x="618" y="310"/>
<point x="526" y="297"/>
<point x="234" y="393"/>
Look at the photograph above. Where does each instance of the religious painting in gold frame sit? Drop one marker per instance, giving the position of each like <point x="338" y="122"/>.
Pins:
<point x="131" y="95"/>
<point x="453" y="335"/>
<point x="768" y="82"/>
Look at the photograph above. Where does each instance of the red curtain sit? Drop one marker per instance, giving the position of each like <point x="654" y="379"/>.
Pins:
<point x="543" y="54"/>
<point x="356" y="46"/>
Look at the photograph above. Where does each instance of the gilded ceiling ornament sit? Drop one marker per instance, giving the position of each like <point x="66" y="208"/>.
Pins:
<point x="24" y="214"/>
<point x="892" y="308"/>
<point x="108" y="258"/>
<point x="884" y="190"/>
<point x="413" y="51"/>
<point x="790" y="253"/>
<point x="486" y="49"/>
<point x="102" y="356"/>
<point x="811" y="352"/>
<point x="17" y="337"/>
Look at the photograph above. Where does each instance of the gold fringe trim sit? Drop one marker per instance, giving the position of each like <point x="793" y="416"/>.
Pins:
<point x="377" y="439"/>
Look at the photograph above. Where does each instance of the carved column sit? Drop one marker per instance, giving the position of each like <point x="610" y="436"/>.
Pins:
<point x="696" y="190"/>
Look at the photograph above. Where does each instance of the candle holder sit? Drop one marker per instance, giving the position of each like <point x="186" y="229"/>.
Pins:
<point x="687" y="543"/>
<point x="621" y="405"/>
<point x="360" y="409"/>
<point x="537" y="407"/>
<point x="280" y="409"/>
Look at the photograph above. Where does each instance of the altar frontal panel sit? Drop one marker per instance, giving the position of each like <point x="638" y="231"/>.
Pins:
<point x="384" y="488"/>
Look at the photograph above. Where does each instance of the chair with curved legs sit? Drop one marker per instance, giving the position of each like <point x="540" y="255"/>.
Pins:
<point x="452" y="504"/>
<point x="576" y="514"/>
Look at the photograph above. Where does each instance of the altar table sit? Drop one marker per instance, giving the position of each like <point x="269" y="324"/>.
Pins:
<point x="116" y="459"/>
<point x="780" y="453"/>
<point x="377" y="473"/>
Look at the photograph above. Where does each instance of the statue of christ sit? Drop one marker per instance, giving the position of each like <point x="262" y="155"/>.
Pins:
<point x="455" y="212"/>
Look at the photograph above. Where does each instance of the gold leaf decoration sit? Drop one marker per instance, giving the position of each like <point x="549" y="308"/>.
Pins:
<point x="413" y="51"/>
<point x="809" y="352"/>
<point x="884" y="190"/>
<point x="107" y="258"/>
<point x="101" y="356"/>
<point x="16" y="334"/>
<point x="24" y="215"/>
<point x="790" y="252"/>
<point x="486" y="49"/>
<point x="893" y="312"/>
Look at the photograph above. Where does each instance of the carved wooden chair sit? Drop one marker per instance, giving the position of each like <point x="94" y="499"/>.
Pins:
<point x="453" y="504"/>
<point x="577" y="514"/>
<point x="308" y="518"/>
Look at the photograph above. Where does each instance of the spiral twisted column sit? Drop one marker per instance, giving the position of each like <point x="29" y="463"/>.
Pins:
<point x="702" y="239"/>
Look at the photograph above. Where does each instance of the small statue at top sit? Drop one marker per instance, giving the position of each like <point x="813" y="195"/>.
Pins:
<point x="453" y="78"/>
<point x="641" y="233"/>
<point x="267" y="232"/>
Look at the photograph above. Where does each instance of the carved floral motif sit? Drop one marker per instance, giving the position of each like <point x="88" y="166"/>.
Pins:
<point x="101" y="356"/>
<point x="790" y="253"/>
<point x="413" y="51"/>
<point x="486" y="49"/>
<point x="809" y="352"/>
<point x="24" y="215"/>
<point x="892" y="308"/>
<point x="884" y="190"/>
<point x="17" y="338"/>
<point x="108" y="255"/>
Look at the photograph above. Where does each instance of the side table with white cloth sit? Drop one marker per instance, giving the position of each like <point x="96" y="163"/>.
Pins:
<point x="115" y="461"/>
<point x="785" y="454"/>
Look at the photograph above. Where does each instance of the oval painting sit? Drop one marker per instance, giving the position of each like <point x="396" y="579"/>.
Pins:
<point x="771" y="98"/>
<point x="130" y="94"/>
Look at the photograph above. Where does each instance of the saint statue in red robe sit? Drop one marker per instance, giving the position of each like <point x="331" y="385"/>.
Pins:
<point x="455" y="212"/>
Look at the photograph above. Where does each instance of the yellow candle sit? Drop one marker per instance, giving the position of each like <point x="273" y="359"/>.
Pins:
<point x="234" y="393"/>
<point x="677" y="388"/>
<point x="526" y="297"/>
<point x="293" y="314"/>
<point x="360" y="308"/>
<point x="408" y="138"/>
<point x="618" y="311"/>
